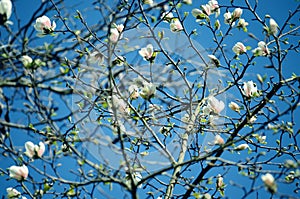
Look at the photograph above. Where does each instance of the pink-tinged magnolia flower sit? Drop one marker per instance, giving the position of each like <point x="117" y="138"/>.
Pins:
<point x="239" y="48"/>
<point x="26" y="60"/>
<point x="33" y="150"/>
<point x="18" y="172"/>
<point x="116" y="33"/>
<point x="5" y="10"/>
<point x="133" y="91"/>
<point x="12" y="193"/>
<point x="176" y="25"/>
<point x="234" y="106"/>
<point x="206" y="9"/>
<point x="147" y="52"/>
<point x="261" y="50"/>
<point x="214" y="7"/>
<point x="250" y="89"/>
<point x="269" y="182"/>
<point x="218" y="140"/>
<point x="220" y="181"/>
<point x="43" y="25"/>
<point x="273" y="27"/>
<point x="242" y="147"/>
<point x="215" y="105"/>
<point x="237" y="13"/>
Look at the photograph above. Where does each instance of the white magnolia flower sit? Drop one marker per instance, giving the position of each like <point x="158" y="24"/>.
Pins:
<point x="148" y="90"/>
<point x="120" y="105"/>
<point x="43" y="25"/>
<point x="197" y="13"/>
<point x="215" y="105"/>
<point x="147" y="52"/>
<point x="33" y="150"/>
<point x="116" y="33"/>
<point x="167" y="16"/>
<point x="250" y="89"/>
<point x="242" y="147"/>
<point x="269" y="182"/>
<point x="234" y="106"/>
<point x="227" y="17"/>
<point x="237" y="13"/>
<point x="239" y="48"/>
<point x="26" y="60"/>
<point x="12" y="193"/>
<point x="261" y="50"/>
<point x="5" y="10"/>
<point x="273" y="27"/>
<point x="214" y="59"/>
<point x="242" y="24"/>
<point x="18" y="172"/>
<point x="176" y="25"/>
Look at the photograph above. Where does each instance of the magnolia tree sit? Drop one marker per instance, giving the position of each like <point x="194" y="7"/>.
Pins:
<point x="149" y="99"/>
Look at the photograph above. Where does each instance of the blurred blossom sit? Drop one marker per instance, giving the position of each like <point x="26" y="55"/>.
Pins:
<point x="249" y="89"/>
<point x="12" y="193"/>
<point x="147" y="52"/>
<point x="18" y="172"/>
<point x="273" y="27"/>
<point x="33" y="150"/>
<point x="207" y="196"/>
<point x="242" y="147"/>
<point x="239" y="48"/>
<point x="189" y="2"/>
<point x="133" y="91"/>
<point x="116" y="33"/>
<point x="5" y="11"/>
<point x="148" y="90"/>
<point x="149" y="2"/>
<point x="26" y="60"/>
<point x="43" y="25"/>
<point x="261" y="50"/>
<point x="253" y="119"/>
<point x="269" y="182"/>
<point x="120" y="105"/>
<point x="218" y="140"/>
<point x="234" y="106"/>
<point x="96" y="57"/>
<point x="176" y="25"/>
<point x="215" y="105"/>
